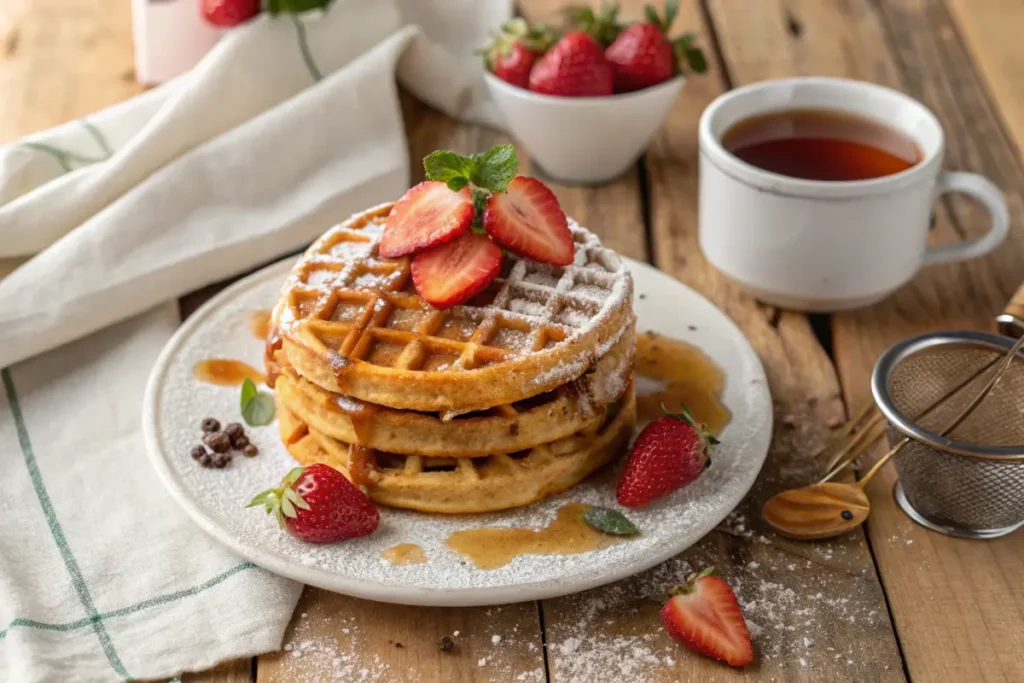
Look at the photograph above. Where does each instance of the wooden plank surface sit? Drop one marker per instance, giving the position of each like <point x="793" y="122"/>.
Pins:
<point x="817" y="611"/>
<point x="957" y="612"/>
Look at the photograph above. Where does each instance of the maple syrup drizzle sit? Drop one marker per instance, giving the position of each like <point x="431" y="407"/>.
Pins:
<point x="270" y="348"/>
<point x="405" y="553"/>
<point x="362" y="465"/>
<point x="259" y="323"/>
<point x="683" y="374"/>
<point x="226" y="372"/>
<point x="567" y="534"/>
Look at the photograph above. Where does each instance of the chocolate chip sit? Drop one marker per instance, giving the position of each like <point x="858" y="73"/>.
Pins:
<point x="250" y="450"/>
<point x="219" y="442"/>
<point x="234" y="430"/>
<point x="446" y="644"/>
<point x="846" y="514"/>
<point x="206" y="460"/>
<point x="239" y="442"/>
<point x="222" y="460"/>
<point x="210" y="425"/>
<point x="197" y="452"/>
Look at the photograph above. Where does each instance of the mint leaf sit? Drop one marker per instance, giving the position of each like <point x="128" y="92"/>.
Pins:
<point x="480" y="198"/>
<point x="449" y="167"/>
<point x="257" y="407"/>
<point x="259" y="411"/>
<point x="609" y="521"/>
<point x="495" y="168"/>
<point x="248" y="391"/>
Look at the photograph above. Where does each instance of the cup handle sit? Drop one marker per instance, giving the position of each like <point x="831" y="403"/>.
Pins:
<point x="990" y="196"/>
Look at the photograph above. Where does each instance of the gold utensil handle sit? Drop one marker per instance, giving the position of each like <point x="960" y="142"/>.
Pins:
<point x="1011" y="320"/>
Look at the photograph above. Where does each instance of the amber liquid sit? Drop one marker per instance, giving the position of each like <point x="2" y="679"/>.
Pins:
<point x="405" y="553"/>
<point x="677" y="374"/>
<point x="567" y="534"/>
<point x="259" y="324"/>
<point x="226" y="372"/>
<point x="819" y="144"/>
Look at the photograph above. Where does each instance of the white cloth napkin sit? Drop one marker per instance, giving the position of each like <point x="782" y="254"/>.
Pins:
<point x="289" y="125"/>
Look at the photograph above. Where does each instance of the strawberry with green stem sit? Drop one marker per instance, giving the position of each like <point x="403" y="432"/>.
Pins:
<point x="512" y="54"/>
<point x="318" y="504"/>
<point x="641" y="54"/>
<point x="669" y="453"/>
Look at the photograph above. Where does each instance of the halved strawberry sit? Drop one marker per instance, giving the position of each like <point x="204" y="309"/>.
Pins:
<point x="705" y="616"/>
<point x="453" y="273"/>
<point x="427" y="215"/>
<point x="527" y="220"/>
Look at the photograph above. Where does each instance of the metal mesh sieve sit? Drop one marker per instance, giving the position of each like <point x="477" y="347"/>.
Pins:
<point x="971" y="481"/>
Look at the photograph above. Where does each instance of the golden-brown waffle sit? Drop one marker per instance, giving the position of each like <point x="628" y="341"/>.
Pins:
<point x="353" y="324"/>
<point x="468" y="485"/>
<point x="554" y="415"/>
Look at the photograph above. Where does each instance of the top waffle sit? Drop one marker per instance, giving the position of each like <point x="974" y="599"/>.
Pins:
<point x="352" y="323"/>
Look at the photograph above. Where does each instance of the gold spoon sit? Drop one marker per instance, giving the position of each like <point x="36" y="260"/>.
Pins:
<point x="828" y="509"/>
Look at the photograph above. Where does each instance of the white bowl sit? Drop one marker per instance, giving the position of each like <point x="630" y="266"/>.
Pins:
<point x="584" y="139"/>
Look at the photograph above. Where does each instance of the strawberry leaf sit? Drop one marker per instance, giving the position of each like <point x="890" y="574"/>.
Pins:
<point x="671" y="11"/>
<point x="449" y="167"/>
<point x="296" y="6"/>
<point x="609" y="521"/>
<point x="495" y="168"/>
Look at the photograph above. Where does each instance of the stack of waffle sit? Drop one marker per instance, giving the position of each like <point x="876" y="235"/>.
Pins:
<point x="516" y="395"/>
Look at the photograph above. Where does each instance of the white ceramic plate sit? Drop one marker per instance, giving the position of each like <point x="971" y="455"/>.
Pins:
<point x="176" y="402"/>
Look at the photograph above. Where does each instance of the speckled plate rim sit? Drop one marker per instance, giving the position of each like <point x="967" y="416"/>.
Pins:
<point x="649" y="281"/>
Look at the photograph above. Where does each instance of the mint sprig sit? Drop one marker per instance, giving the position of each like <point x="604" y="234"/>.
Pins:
<point x="257" y="406"/>
<point x="491" y="170"/>
<point x="296" y="6"/>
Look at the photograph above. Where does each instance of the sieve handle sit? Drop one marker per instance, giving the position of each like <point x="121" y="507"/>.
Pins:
<point x="1011" y="320"/>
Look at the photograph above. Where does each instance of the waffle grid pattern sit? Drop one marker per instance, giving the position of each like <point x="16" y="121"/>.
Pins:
<point x="358" y="306"/>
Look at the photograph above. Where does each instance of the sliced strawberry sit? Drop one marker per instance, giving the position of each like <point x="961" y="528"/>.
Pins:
<point x="527" y="220"/>
<point x="705" y="616"/>
<point x="453" y="273"/>
<point x="427" y="215"/>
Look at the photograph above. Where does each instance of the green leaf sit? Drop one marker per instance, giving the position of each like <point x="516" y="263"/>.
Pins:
<point x="480" y="198"/>
<point x="456" y="184"/>
<point x="609" y="521"/>
<point x="287" y="508"/>
<point x="696" y="59"/>
<point x="296" y="6"/>
<point x="671" y="11"/>
<point x="495" y="168"/>
<point x="262" y="498"/>
<point x="248" y="391"/>
<point x="445" y="166"/>
<point x="259" y="411"/>
<point x="297" y="500"/>
<point x="651" y="16"/>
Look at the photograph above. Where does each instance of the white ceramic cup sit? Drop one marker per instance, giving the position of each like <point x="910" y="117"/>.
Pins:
<point x="829" y="245"/>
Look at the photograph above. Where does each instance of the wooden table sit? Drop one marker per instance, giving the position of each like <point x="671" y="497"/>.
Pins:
<point x="886" y="604"/>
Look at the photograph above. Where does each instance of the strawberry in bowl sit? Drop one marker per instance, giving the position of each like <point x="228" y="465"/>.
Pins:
<point x="595" y="95"/>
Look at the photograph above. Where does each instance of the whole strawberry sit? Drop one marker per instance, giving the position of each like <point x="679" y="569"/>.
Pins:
<point x="641" y="54"/>
<point x="228" y="12"/>
<point x="669" y="453"/>
<point x="705" y="616"/>
<point x="512" y="54"/>
<point x="574" y="67"/>
<point x="318" y="504"/>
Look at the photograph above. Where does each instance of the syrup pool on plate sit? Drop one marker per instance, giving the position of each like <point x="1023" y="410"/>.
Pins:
<point x="404" y="553"/>
<point x="672" y="372"/>
<point x="567" y="534"/>
<point x="226" y="372"/>
<point x="259" y="323"/>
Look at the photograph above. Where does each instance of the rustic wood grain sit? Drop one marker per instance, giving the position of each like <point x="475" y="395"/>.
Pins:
<point x="337" y="638"/>
<point x="957" y="612"/>
<point x="235" y="671"/>
<point x="62" y="59"/>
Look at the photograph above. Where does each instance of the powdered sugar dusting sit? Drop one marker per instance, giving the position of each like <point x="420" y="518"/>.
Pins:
<point x="218" y="497"/>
